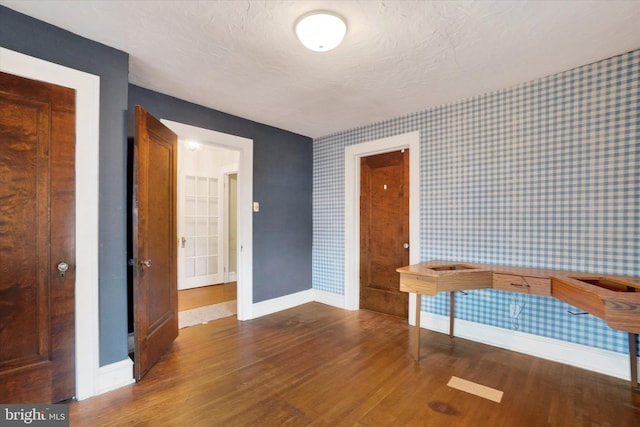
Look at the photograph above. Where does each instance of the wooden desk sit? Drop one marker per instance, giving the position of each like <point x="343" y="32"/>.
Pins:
<point x="616" y="299"/>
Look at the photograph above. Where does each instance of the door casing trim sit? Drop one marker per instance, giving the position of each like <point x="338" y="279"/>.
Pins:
<point x="229" y="276"/>
<point x="87" y="87"/>
<point x="352" y="155"/>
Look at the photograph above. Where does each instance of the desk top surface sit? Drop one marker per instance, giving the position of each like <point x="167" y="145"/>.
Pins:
<point x="441" y="268"/>
<point x="431" y="268"/>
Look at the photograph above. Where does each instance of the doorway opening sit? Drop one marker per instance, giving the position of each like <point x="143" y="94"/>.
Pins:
<point x="235" y="157"/>
<point x="207" y="232"/>
<point x="242" y="148"/>
<point x="353" y="156"/>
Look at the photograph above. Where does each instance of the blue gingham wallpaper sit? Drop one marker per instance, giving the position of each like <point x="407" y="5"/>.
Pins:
<point x="544" y="174"/>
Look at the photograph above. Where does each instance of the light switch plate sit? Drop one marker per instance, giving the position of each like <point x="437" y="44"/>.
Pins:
<point x="256" y="206"/>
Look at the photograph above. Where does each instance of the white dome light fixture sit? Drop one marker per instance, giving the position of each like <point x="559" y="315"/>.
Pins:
<point x="320" y="30"/>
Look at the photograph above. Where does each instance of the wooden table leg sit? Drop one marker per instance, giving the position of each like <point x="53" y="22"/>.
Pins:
<point x="633" y="358"/>
<point x="416" y="329"/>
<point x="452" y="312"/>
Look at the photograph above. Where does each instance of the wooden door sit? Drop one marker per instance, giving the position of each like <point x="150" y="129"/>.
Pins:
<point x="37" y="232"/>
<point x="155" y="292"/>
<point x="384" y="231"/>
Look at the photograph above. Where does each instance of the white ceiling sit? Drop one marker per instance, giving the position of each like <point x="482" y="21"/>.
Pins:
<point x="398" y="57"/>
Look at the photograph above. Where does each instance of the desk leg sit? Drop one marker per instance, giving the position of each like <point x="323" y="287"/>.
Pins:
<point x="633" y="359"/>
<point x="452" y="312"/>
<point x="416" y="329"/>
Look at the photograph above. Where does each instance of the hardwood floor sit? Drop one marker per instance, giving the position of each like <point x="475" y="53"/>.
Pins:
<point x="316" y="365"/>
<point x="206" y="295"/>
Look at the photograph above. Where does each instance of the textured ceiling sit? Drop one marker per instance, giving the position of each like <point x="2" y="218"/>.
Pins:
<point x="398" y="57"/>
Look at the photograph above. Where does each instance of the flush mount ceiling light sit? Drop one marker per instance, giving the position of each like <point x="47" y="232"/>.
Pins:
<point x="192" y="145"/>
<point x="320" y="30"/>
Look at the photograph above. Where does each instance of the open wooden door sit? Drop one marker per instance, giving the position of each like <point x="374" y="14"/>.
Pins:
<point x="155" y="292"/>
<point x="37" y="241"/>
<point x="384" y="231"/>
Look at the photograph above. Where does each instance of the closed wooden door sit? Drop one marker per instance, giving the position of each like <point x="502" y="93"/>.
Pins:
<point x="37" y="233"/>
<point x="384" y="231"/>
<point x="155" y="291"/>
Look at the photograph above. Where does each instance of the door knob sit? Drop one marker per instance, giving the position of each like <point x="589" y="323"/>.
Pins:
<point x="62" y="269"/>
<point x="405" y="245"/>
<point x="145" y="263"/>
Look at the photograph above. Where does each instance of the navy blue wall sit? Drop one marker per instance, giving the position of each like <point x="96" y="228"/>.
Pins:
<point x="282" y="176"/>
<point x="35" y="38"/>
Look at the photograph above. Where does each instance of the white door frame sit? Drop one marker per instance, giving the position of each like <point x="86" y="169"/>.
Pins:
<point x="225" y="223"/>
<point x="245" y="203"/>
<point x="352" y="155"/>
<point x="87" y="87"/>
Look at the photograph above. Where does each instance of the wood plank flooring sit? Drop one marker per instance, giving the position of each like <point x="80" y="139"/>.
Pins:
<point x="206" y="295"/>
<point x="316" y="365"/>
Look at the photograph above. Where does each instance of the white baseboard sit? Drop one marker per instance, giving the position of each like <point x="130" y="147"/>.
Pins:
<point x="281" y="303"/>
<point x="593" y="359"/>
<point x="115" y="375"/>
<point x="289" y="301"/>
<point x="329" y="298"/>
